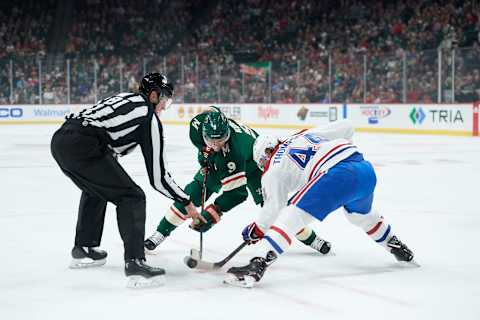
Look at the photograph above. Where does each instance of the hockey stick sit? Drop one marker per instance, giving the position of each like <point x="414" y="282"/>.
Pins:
<point x="204" y="195"/>
<point x="194" y="260"/>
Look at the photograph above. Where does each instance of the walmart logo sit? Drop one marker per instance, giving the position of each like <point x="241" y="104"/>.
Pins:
<point x="417" y="115"/>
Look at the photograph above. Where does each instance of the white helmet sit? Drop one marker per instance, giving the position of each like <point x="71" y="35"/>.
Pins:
<point x="262" y="148"/>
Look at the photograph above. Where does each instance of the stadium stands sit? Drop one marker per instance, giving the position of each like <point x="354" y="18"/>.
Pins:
<point x="313" y="51"/>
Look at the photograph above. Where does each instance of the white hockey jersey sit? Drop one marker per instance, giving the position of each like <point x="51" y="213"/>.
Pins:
<point x="297" y="160"/>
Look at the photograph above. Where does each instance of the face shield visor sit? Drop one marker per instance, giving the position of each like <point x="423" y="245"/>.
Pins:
<point x="216" y="143"/>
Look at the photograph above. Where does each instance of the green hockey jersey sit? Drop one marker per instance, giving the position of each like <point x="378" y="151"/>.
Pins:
<point x="233" y="166"/>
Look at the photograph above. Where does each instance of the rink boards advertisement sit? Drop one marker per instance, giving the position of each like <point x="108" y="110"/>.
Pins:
<point x="449" y="119"/>
<point x="263" y="115"/>
<point x="452" y="119"/>
<point x="36" y="114"/>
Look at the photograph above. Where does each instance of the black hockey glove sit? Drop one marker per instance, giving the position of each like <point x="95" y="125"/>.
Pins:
<point x="205" y="157"/>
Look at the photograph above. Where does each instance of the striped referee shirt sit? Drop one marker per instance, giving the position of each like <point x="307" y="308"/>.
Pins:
<point x="129" y="119"/>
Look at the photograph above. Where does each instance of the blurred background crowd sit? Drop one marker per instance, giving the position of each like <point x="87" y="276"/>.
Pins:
<point x="281" y="51"/>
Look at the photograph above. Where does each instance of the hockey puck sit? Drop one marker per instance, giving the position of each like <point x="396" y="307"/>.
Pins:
<point x="190" y="262"/>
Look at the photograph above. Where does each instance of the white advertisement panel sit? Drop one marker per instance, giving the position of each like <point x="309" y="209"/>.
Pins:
<point x="450" y="119"/>
<point x="413" y="118"/>
<point x="263" y="115"/>
<point x="27" y="114"/>
<point x="182" y="113"/>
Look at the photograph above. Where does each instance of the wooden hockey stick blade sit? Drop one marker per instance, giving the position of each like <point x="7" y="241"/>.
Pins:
<point x="206" y="265"/>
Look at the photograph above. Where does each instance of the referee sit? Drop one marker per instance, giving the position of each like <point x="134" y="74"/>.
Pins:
<point x="86" y="147"/>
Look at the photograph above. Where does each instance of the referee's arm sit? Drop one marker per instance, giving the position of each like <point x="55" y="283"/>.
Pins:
<point x="153" y="151"/>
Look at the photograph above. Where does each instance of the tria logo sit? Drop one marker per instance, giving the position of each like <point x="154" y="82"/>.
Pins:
<point x="417" y="115"/>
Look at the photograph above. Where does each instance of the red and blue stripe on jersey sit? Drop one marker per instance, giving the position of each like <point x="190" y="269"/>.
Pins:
<point x="380" y="231"/>
<point x="316" y="172"/>
<point x="278" y="239"/>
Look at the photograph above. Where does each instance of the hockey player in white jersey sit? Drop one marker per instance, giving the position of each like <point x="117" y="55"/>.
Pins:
<point x="324" y="171"/>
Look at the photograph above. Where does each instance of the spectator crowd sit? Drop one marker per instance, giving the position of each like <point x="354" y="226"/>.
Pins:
<point x="316" y="51"/>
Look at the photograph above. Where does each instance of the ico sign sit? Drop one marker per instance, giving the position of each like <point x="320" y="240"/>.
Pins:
<point x="11" y="113"/>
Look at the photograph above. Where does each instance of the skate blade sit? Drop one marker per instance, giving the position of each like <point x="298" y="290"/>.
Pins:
<point x="330" y="253"/>
<point x="86" y="263"/>
<point x="408" y="264"/>
<point x="153" y="252"/>
<point x="139" y="282"/>
<point x="246" y="282"/>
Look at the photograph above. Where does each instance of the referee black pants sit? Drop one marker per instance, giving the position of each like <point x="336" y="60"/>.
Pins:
<point x="82" y="154"/>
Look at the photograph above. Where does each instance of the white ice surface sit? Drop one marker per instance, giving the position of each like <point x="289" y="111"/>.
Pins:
<point x="428" y="190"/>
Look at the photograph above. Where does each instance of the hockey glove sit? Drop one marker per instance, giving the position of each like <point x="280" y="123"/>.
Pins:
<point x="211" y="214"/>
<point x="205" y="157"/>
<point x="252" y="233"/>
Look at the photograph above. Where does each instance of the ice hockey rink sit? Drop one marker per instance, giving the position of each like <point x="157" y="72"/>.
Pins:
<point x="428" y="189"/>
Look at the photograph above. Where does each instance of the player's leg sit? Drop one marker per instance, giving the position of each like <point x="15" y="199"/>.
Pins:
<point x="82" y="155"/>
<point x="174" y="217"/>
<point x="91" y="212"/>
<point x="275" y="242"/>
<point x="380" y="231"/>
<point x="91" y="217"/>
<point x="110" y="181"/>
<point x="176" y="214"/>
<point x="89" y="229"/>
<point x="360" y="213"/>
<point x="309" y="237"/>
<point x="103" y="179"/>
<point x="319" y="197"/>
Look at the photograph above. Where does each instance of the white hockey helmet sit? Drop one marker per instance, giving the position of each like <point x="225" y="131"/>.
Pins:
<point x="262" y="149"/>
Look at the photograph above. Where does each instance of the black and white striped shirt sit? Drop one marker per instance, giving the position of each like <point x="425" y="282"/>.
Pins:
<point x="130" y="120"/>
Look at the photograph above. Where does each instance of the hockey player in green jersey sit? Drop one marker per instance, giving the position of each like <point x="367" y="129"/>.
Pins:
<point x="226" y="157"/>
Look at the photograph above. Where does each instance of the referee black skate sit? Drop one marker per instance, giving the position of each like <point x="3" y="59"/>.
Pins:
<point x="86" y="147"/>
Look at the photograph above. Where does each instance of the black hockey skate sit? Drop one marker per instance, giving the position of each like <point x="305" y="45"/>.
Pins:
<point x="321" y="245"/>
<point x="400" y="250"/>
<point x="85" y="257"/>
<point x="141" y="275"/>
<point x="247" y="275"/>
<point x="154" y="241"/>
